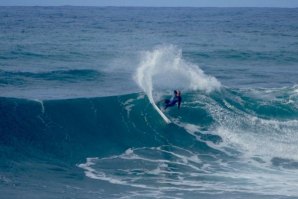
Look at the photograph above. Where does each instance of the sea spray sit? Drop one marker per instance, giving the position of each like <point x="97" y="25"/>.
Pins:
<point x="164" y="68"/>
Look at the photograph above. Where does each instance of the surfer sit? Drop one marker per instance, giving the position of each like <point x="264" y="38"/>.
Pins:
<point x="174" y="100"/>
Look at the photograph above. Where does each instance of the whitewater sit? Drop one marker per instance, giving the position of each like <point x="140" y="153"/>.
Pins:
<point x="81" y="103"/>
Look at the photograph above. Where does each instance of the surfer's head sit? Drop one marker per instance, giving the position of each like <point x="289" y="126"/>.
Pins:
<point x="177" y="92"/>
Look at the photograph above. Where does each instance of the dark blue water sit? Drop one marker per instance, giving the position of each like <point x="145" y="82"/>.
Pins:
<point x="77" y="93"/>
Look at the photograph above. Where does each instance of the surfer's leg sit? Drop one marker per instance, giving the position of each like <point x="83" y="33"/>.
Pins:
<point x="167" y="101"/>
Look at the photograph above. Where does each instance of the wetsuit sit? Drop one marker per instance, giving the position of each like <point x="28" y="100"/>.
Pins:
<point x="172" y="102"/>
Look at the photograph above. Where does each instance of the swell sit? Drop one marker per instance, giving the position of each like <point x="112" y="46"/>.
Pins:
<point x="17" y="77"/>
<point x="282" y="56"/>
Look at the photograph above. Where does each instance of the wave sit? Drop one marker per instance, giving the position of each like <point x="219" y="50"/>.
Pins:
<point x="223" y="135"/>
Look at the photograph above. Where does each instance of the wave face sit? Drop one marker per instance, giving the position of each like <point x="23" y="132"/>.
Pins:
<point x="232" y="142"/>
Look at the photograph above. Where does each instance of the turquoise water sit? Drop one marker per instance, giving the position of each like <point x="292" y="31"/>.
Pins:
<point x="77" y="86"/>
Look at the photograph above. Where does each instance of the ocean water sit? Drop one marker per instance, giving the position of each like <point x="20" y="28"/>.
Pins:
<point x="78" y="88"/>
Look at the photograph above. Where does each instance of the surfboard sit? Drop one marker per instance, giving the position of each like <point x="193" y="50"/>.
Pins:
<point x="164" y="117"/>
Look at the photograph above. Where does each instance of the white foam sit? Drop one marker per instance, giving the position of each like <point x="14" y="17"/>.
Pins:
<point x="128" y="105"/>
<point x="266" y="138"/>
<point x="252" y="135"/>
<point x="97" y="175"/>
<point x="162" y="175"/>
<point x="41" y="105"/>
<point x="191" y="128"/>
<point x="165" y="67"/>
<point x="128" y="152"/>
